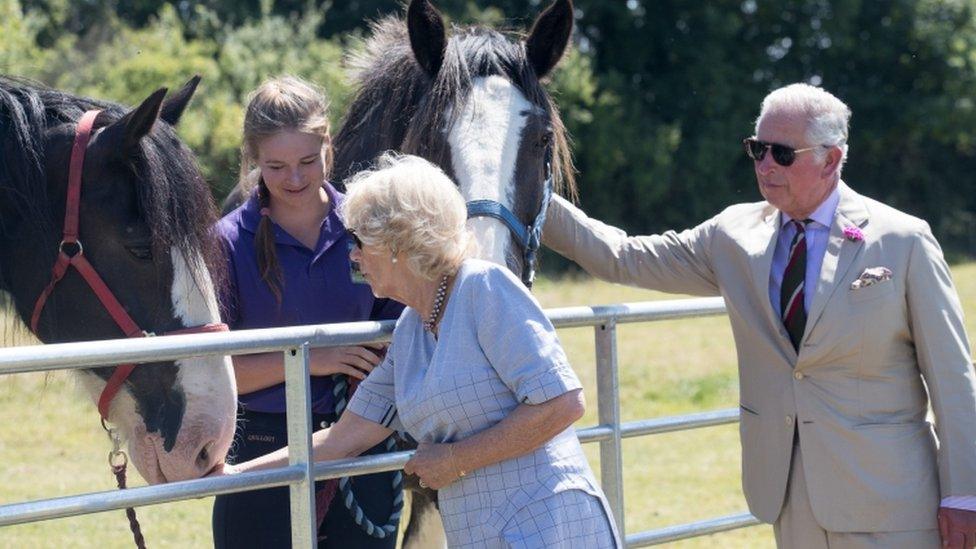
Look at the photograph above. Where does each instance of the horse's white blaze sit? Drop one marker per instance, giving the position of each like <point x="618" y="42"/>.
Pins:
<point x="484" y="144"/>
<point x="195" y="303"/>
<point x="208" y="382"/>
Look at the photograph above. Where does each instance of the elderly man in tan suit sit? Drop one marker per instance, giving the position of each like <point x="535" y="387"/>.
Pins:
<point x="847" y="327"/>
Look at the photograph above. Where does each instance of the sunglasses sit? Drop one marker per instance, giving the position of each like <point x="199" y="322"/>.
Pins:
<point x="355" y="238"/>
<point x="782" y="155"/>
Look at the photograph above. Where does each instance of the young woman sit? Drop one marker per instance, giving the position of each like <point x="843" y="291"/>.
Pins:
<point x="288" y="256"/>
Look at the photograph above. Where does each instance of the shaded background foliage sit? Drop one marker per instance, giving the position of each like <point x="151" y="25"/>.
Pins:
<point x="657" y="94"/>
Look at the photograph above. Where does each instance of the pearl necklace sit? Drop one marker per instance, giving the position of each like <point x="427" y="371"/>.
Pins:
<point x="435" y="311"/>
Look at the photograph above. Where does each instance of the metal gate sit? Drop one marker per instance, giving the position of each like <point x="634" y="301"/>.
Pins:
<point x="301" y="473"/>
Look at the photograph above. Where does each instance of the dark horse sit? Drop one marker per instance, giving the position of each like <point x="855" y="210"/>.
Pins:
<point x="144" y="220"/>
<point x="473" y="104"/>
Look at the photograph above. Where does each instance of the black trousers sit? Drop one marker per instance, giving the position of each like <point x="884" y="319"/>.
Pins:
<point x="261" y="519"/>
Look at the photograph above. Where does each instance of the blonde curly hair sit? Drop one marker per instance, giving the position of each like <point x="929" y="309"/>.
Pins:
<point x="411" y="207"/>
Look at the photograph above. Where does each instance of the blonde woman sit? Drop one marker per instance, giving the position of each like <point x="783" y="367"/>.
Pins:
<point x="287" y="252"/>
<point x="475" y="373"/>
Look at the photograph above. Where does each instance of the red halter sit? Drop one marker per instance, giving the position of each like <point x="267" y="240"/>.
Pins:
<point x="88" y="273"/>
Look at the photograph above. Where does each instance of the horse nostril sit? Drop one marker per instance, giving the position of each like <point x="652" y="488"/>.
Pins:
<point x="203" y="458"/>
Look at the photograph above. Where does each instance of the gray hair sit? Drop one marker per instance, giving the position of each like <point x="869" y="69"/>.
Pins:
<point x="410" y="206"/>
<point x="827" y="116"/>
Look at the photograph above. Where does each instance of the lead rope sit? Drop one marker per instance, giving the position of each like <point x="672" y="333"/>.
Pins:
<point x="118" y="461"/>
<point x="345" y="486"/>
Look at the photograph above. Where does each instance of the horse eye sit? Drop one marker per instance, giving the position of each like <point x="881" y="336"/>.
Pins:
<point x="141" y="252"/>
<point x="546" y="139"/>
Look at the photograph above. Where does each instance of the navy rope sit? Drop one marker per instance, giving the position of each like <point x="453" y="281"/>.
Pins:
<point x="345" y="486"/>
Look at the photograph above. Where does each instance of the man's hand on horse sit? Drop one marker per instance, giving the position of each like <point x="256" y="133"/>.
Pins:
<point x="957" y="528"/>
<point x="433" y="464"/>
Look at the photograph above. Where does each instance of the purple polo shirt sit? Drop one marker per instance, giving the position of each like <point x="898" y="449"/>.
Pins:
<point x="317" y="288"/>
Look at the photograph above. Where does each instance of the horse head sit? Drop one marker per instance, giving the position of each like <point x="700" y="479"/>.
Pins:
<point x="473" y="103"/>
<point x="144" y="217"/>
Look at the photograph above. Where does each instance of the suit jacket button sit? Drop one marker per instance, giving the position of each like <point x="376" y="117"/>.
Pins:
<point x="797" y="375"/>
<point x="789" y="421"/>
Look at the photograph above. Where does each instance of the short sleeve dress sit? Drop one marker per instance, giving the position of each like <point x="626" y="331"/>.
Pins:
<point x="496" y="350"/>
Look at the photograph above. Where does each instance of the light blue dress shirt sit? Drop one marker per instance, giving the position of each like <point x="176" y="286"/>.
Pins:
<point x="818" y="232"/>
<point x="496" y="349"/>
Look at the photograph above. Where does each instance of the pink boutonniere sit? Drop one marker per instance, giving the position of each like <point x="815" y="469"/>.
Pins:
<point x="854" y="234"/>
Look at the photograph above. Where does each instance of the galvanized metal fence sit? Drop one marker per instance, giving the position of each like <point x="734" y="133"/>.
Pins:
<point x="301" y="472"/>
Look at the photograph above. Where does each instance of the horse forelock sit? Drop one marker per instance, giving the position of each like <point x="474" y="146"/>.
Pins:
<point x="390" y="84"/>
<point x="177" y="204"/>
<point x="484" y="52"/>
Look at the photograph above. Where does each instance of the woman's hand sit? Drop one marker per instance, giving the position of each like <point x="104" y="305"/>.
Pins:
<point x="262" y="370"/>
<point x="356" y="361"/>
<point x="223" y="470"/>
<point x="434" y="464"/>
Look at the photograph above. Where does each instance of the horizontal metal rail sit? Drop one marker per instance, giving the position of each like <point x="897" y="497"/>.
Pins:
<point x="106" y="501"/>
<point x="87" y="354"/>
<point x="691" y="530"/>
<point x="45" y="509"/>
<point x="97" y="353"/>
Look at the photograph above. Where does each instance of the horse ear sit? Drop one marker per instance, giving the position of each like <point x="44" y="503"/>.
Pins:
<point x="174" y="105"/>
<point x="549" y="36"/>
<point x="427" y="36"/>
<point x="124" y="134"/>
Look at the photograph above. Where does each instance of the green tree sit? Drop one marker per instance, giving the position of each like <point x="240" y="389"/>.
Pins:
<point x="657" y="93"/>
<point x="20" y="53"/>
<point x="679" y="85"/>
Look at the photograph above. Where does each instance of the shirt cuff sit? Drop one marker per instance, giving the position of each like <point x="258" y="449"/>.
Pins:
<point x="373" y="407"/>
<point x="966" y="503"/>
<point x="548" y="385"/>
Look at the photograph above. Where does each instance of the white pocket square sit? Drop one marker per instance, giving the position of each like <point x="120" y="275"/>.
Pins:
<point x="871" y="275"/>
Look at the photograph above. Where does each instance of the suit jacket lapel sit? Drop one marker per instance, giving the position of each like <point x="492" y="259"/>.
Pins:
<point x="840" y="252"/>
<point x="761" y="263"/>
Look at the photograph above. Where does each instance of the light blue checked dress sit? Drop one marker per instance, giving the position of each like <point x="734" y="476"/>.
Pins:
<point x="496" y="349"/>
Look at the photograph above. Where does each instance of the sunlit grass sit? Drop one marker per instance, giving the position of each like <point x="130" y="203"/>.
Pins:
<point x="52" y="445"/>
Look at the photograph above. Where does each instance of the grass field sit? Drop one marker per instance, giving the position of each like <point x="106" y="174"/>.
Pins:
<point x="52" y="445"/>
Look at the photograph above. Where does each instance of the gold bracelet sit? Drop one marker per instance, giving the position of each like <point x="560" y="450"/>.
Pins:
<point x="460" y="472"/>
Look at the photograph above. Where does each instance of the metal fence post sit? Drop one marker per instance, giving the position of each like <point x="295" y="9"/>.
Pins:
<point x="299" y="408"/>
<point x="608" y="403"/>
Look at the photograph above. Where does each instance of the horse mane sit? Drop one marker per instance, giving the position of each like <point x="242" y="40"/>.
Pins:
<point x="398" y="106"/>
<point x="390" y="86"/>
<point x="173" y="197"/>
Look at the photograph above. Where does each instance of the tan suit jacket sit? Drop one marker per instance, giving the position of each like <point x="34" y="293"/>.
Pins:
<point x="855" y="390"/>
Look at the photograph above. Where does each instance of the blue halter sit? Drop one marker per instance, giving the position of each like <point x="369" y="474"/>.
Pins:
<point x="528" y="237"/>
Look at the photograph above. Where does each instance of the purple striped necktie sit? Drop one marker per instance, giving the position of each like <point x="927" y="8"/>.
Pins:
<point x="791" y="299"/>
